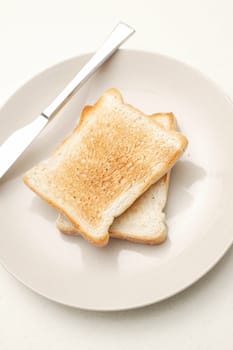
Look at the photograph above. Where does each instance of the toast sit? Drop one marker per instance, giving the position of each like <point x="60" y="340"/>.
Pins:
<point x="144" y="221"/>
<point x="111" y="158"/>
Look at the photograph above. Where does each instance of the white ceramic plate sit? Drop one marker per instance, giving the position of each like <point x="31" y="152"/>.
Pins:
<point x="123" y="275"/>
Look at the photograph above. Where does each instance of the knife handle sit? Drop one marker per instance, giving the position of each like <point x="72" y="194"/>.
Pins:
<point x="119" y="34"/>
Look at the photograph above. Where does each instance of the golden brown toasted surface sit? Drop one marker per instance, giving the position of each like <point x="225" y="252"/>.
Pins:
<point x="115" y="149"/>
<point x="114" y="152"/>
<point x="166" y="120"/>
<point x="144" y="221"/>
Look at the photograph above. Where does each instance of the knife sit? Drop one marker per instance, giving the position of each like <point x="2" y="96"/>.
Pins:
<point x="14" y="146"/>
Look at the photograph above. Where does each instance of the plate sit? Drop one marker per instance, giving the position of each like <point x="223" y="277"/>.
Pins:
<point x="123" y="275"/>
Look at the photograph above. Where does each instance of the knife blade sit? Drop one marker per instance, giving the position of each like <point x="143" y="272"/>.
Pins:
<point x="15" y="145"/>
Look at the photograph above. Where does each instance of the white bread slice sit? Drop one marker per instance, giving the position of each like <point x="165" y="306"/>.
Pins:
<point x="114" y="155"/>
<point x="144" y="221"/>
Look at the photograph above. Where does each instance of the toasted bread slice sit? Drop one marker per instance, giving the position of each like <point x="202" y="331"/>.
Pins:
<point x="144" y="221"/>
<point x="113" y="156"/>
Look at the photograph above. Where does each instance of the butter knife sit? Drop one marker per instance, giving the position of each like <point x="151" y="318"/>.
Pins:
<point x="15" y="145"/>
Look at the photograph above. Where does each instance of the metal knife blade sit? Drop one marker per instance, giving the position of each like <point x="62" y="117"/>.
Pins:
<point x="14" y="146"/>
